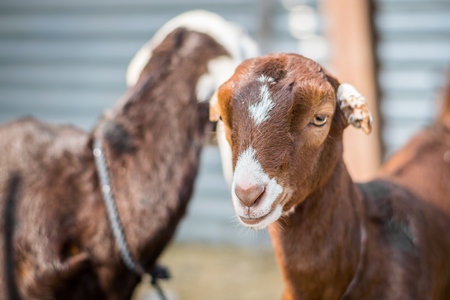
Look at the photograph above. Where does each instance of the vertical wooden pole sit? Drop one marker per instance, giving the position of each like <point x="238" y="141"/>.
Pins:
<point x="265" y="12"/>
<point x="348" y="28"/>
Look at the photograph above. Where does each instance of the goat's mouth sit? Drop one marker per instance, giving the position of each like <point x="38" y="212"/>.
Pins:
<point x="252" y="221"/>
<point x="262" y="221"/>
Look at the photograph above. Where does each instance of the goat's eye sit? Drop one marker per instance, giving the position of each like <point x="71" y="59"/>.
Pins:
<point x="319" y="120"/>
<point x="220" y="118"/>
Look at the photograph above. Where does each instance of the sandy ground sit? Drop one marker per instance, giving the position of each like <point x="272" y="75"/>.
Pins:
<point x="217" y="273"/>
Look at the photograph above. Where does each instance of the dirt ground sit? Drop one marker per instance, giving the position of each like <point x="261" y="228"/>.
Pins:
<point x="217" y="273"/>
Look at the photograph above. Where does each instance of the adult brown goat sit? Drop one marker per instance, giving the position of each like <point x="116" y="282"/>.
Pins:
<point x="284" y="116"/>
<point x="55" y="238"/>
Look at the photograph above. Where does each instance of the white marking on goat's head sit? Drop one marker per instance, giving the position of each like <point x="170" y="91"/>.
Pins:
<point x="260" y="110"/>
<point x="266" y="79"/>
<point x="287" y="150"/>
<point x="232" y="37"/>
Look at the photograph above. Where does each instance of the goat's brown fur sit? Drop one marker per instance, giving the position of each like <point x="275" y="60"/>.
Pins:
<point x="55" y="239"/>
<point x="318" y="238"/>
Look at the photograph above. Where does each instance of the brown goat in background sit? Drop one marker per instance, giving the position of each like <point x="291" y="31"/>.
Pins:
<point x="423" y="165"/>
<point x="284" y="117"/>
<point x="55" y="238"/>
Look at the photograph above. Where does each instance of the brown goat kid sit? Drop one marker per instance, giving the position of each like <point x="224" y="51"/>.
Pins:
<point x="284" y="117"/>
<point x="55" y="238"/>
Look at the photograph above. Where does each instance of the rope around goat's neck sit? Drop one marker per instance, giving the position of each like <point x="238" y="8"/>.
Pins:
<point x="362" y="251"/>
<point x="114" y="219"/>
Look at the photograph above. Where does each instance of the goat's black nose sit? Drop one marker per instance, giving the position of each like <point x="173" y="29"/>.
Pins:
<point x="249" y="196"/>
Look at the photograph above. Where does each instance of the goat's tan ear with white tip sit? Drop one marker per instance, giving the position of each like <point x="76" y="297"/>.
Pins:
<point x="354" y="107"/>
<point x="214" y="114"/>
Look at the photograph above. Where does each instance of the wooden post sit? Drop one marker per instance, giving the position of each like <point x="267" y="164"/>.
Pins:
<point x="348" y="28"/>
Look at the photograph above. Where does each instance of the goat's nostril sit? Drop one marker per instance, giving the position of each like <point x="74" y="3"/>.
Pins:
<point x="249" y="196"/>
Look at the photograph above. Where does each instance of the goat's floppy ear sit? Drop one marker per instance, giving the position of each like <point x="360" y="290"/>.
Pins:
<point x="354" y="107"/>
<point x="223" y="93"/>
<point x="214" y="113"/>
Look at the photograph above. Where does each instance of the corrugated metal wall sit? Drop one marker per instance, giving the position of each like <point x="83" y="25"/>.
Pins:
<point x="414" y="56"/>
<point x="65" y="61"/>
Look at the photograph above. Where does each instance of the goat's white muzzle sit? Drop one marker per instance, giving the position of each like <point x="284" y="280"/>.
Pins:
<point x="254" y="194"/>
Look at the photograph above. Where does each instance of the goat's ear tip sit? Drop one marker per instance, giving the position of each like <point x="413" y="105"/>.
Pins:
<point x="213" y="116"/>
<point x="213" y="113"/>
<point x="367" y="128"/>
<point x="364" y="119"/>
<point x="360" y="117"/>
<point x="354" y="107"/>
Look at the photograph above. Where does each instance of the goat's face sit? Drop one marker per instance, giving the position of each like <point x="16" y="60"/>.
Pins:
<point x="285" y="131"/>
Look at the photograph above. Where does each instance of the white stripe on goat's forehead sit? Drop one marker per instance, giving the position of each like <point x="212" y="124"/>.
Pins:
<point x="260" y="111"/>
<point x="266" y="79"/>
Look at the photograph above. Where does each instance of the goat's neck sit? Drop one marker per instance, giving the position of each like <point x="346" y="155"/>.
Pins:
<point x="152" y="162"/>
<point x="318" y="244"/>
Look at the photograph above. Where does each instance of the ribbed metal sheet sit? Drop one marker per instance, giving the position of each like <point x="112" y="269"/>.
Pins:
<point x="414" y="55"/>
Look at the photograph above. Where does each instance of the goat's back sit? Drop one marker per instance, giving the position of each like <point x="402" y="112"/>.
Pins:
<point x="29" y="143"/>
<point x="423" y="166"/>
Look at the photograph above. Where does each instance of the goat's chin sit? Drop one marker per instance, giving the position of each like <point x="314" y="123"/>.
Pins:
<point x="264" y="221"/>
